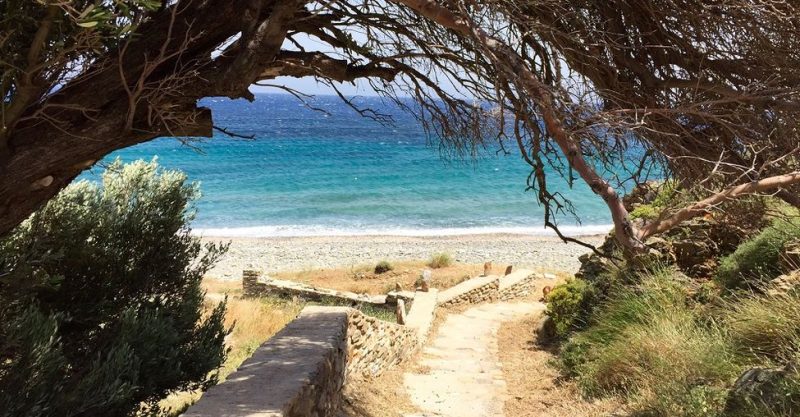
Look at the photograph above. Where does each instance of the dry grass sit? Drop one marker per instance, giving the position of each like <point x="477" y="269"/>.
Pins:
<point x="440" y="260"/>
<point x="253" y="321"/>
<point x="532" y="383"/>
<point x="384" y="396"/>
<point x="362" y="279"/>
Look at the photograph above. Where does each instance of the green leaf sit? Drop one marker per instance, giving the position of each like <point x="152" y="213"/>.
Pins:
<point x="89" y="24"/>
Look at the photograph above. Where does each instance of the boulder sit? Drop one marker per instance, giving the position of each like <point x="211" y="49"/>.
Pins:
<point x="790" y="255"/>
<point x="759" y="385"/>
<point x="784" y="284"/>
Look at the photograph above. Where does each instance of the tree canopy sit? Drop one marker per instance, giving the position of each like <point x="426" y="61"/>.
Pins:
<point x="703" y="92"/>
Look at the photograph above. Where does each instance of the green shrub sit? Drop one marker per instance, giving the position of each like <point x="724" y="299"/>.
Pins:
<point x="666" y="194"/>
<point x="647" y="344"/>
<point x="101" y="308"/>
<point x="383" y="266"/>
<point x="440" y="260"/>
<point x="569" y="304"/>
<point x="757" y="259"/>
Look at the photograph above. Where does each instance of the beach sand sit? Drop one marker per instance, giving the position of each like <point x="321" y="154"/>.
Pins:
<point x="309" y="253"/>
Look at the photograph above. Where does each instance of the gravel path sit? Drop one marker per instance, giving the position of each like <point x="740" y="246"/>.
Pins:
<point x="463" y="376"/>
<point x="296" y="254"/>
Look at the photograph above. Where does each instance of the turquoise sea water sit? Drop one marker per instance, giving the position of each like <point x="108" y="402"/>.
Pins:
<point x="307" y="173"/>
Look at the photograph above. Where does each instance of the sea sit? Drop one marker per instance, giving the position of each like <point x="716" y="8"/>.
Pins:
<point x="326" y="170"/>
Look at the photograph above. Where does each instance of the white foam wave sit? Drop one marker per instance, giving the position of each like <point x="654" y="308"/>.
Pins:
<point x="317" y="231"/>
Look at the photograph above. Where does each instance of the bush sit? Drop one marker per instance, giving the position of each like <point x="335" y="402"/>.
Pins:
<point x="666" y="195"/>
<point x="440" y="260"/>
<point x="569" y="305"/>
<point x="758" y="259"/>
<point x="101" y="309"/>
<point x="647" y="344"/>
<point x="383" y="266"/>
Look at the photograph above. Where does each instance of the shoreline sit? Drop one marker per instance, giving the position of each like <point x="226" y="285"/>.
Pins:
<point x="297" y="231"/>
<point x="306" y="253"/>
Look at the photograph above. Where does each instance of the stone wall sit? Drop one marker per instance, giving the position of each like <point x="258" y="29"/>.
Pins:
<point x="520" y="284"/>
<point x="472" y="291"/>
<point x="374" y="345"/>
<point x="252" y="286"/>
<point x="299" y="372"/>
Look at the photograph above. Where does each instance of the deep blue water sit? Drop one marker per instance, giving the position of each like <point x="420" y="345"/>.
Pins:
<point x="307" y="173"/>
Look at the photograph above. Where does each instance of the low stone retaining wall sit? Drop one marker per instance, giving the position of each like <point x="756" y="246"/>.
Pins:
<point x="373" y="345"/>
<point x="471" y="291"/>
<point x="518" y="284"/>
<point x="299" y="372"/>
<point x="253" y="287"/>
<point x="492" y="288"/>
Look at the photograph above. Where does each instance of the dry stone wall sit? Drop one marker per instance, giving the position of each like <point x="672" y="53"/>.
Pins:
<point x="473" y="291"/>
<point x="518" y="284"/>
<point x="252" y="286"/>
<point x="299" y="372"/>
<point x="374" y="345"/>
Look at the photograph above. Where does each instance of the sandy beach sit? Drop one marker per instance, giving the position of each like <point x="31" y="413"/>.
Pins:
<point x="308" y="253"/>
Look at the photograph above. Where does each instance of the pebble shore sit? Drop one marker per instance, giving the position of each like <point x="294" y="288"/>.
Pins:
<point x="309" y="253"/>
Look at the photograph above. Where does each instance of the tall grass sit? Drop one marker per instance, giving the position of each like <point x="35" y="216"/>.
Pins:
<point x="766" y="326"/>
<point x="647" y="344"/>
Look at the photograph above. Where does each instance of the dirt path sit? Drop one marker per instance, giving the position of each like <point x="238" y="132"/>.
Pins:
<point x="534" y="388"/>
<point x="461" y="374"/>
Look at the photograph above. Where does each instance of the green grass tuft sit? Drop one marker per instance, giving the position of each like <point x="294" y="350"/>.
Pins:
<point x="440" y="260"/>
<point x="383" y="267"/>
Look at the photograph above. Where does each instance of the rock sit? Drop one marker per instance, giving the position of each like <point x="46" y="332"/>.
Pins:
<point x="508" y="270"/>
<point x="784" y="283"/>
<point x="400" y="312"/>
<point x="487" y="268"/>
<point x="592" y="266"/>
<point x="790" y="256"/>
<point x="759" y="385"/>
<point x="424" y="281"/>
<point x="398" y="287"/>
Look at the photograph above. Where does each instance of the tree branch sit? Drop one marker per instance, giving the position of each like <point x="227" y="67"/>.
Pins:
<point x="760" y="186"/>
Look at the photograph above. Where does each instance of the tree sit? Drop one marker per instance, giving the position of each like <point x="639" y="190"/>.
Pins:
<point x="706" y="93"/>
<point x="101" y="309"/>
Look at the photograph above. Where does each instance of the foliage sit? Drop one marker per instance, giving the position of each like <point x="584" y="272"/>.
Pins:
<point x="569" y="304"/>
<point x="383" y="266"/>
<point x="100" y="301"/>
<point x="758" y="259"/>
<point x="666" y="196"/>
<point x="647" y="344"/>
<point x="440" y="260"/>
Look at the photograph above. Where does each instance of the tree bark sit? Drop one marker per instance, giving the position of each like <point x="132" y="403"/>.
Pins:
<point x="90" y="116"/>
<point x="770" y="184"/>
